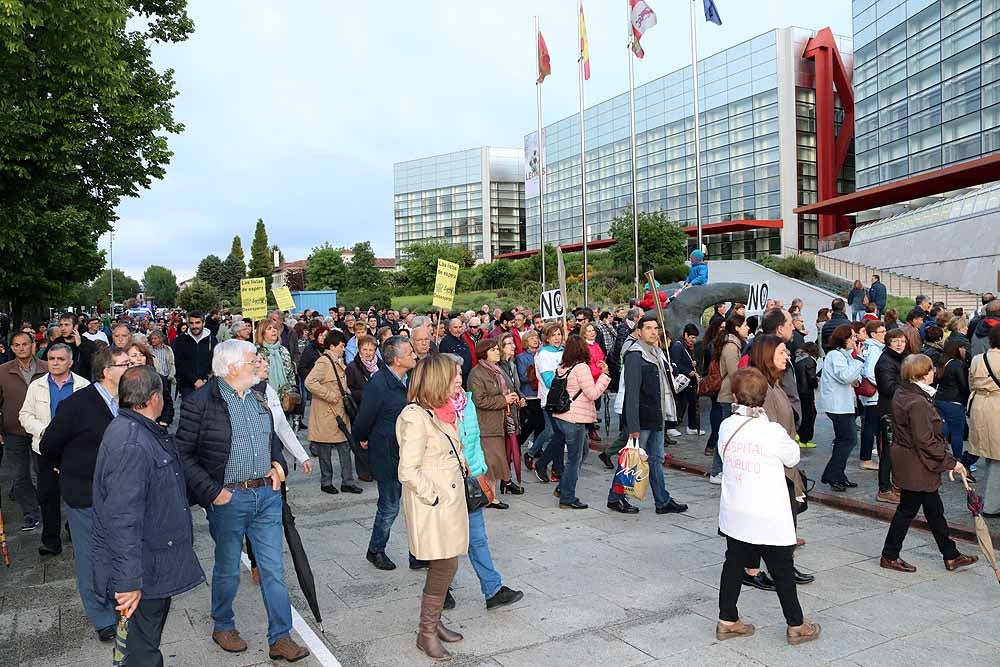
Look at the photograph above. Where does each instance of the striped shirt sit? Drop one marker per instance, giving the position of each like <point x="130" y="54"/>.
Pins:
<point x="250" y="419"/>
<point x="160" y="354"/>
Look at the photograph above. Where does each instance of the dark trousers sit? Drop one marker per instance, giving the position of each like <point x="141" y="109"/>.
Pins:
<point x="49" y="501"/>
<point x="845" y="437"/>
<point x="884" y="459"/>
<point x="807" y="427"/>
<point x="553" y="452"/>
<point x="779" y="564"/>
<point x="906" y="510"/>
<point x="687" y="402"/>
<point x="715" y="419"/>
<point x="144" y="630"/>
<point x="869" y="428"/>
<point x="19" y="458"/>
<point x="532" y="421"/>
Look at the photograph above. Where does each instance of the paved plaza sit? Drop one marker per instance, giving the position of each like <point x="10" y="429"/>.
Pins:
<point x="600" y="589"/>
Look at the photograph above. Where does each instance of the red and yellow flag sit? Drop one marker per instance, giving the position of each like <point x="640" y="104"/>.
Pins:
<point x="584" y="46"/>
<point x="544" y="63"/>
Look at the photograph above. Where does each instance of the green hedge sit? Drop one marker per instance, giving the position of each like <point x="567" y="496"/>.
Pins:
<point x="793" y="267"/>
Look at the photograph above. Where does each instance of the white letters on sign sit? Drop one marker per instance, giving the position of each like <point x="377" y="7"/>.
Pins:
<point x="551" y="306"/>
<point x="757" y="298"/>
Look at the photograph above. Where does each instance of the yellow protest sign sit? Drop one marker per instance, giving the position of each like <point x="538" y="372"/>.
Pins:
<point x="253" y="296"/>
<point x="283" y="297"/>
<point x="444" y="284"/>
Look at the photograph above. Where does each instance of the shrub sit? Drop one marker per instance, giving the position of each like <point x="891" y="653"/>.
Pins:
<point x="364" y="298"/>
<point x="793" y="267"/>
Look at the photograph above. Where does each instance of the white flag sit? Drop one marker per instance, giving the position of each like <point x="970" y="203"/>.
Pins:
<point x="643" y="18"/>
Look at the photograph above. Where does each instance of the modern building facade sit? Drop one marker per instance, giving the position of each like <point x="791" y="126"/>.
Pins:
<point x="472" y="198"/>
<point x="758" y="142"/>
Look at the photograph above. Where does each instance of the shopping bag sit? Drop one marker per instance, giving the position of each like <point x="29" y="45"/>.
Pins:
<point x="632" y="475"/>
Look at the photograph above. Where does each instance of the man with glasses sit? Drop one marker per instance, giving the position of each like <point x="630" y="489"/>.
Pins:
<point x="874" y="346"/>
<point x="234" y="466"/>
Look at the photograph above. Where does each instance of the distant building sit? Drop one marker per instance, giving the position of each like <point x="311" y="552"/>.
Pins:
<point x="472" y="198"/>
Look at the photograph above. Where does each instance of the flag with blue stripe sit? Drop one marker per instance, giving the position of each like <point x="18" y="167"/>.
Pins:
<point x="711" y="13"/>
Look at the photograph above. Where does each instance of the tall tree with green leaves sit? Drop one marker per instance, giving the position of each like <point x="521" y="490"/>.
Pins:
<point x="421" y="260"/>
<point x="660" y="241"/>
<point x="327" y="269"/>
<point x="160" y="284"/>
<point x="84" y="119"/>
<point x="261" y="260"/>
<point x="199" y="296"/>
<point x="126" y="287"/>
<point x="235" y="270"/>
<point x="212" y="271"/>
<point x="364" y="273"/>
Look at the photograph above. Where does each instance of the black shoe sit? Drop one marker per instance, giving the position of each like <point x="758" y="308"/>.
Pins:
<point x="499" y="505"/>
<point x="606" y="460"/>
<point x="46" y="550"/>
<point x="575" y="505"/>
<point x="541" y="475"/>
<point x="29" y="524"/>
<point x="107" y="634"/>
<point x="761" y="580"/>
<point x="968" y="476"/>
<point x="351" y="488"/>
<point x="802" y="578"/>
<point x="529" y="461"/>
<point x="380" y="561"/>
<point x="990" y="515"/>
<point x="837" y="486"/>
<point x="511" y="488"/>
<point x="623" y="507"/>
<point x="417" y="564"/>
<point x="673" y="507"/>
<point x="849" y="484"/>
<point x="667" y="440"/>
<point x="449" y="600"/>
<point x="69" y="535"/>
<point x="329" y="489"/>
<point x="504" y="596"/>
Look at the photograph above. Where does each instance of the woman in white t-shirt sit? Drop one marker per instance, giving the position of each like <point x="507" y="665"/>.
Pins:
<point x="754" y="513"/>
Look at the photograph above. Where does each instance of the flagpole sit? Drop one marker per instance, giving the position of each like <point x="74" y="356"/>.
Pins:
<point x="541" y="166"/>
<point x="697" y="129"/>
<point x="583" y="164"/>
<point x="631" y="112"/>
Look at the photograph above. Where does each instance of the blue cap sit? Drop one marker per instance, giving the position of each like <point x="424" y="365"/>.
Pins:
<point x="698" y="255"/>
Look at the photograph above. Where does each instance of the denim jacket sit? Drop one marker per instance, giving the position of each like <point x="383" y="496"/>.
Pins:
<point x="836" y="385"/>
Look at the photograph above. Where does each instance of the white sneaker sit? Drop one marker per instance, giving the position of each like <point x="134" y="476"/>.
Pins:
<point x="715" y="479"/>
<point x="694" y="431"/>
<point x="673" y="433"/>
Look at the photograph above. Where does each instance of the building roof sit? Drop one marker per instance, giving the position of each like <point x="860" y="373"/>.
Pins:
<point x="297" y="264"/>
<point x="385" y="262"/>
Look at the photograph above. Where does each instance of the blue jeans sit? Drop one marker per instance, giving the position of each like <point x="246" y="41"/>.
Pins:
<point x="81" y="525"/>
<point x="547" y="434"/>
<point x="576" y="443"/>
<point x="725" y="411"/>
<point x="255" y="513"/>
<point x="386" y="512"/>
<point x="479" y="555"/>
<point x="553" y="445"/>
<point x="845" y="437"/>
<point x="869" y="427"/>
<point x="953" y="415"/>
<point x="652" y="442"/>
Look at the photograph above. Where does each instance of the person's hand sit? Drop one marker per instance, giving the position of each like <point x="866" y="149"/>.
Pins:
<point x="198" y="384"/>
<point x="307" y="465"/>
<point x="76" y="337"/>
<point x="127" y="602"/>
<point x="511" y="398"/>
<point x="522" y="402"/>
<point x="603" y="365"/>
<point x="224" y="497"/>
<point x="962" y="472"/>
<point x="277" y="475"/>
<point x="363" y="444"/>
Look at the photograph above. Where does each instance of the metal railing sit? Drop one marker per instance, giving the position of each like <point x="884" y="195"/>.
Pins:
<point x="897" y="284"/>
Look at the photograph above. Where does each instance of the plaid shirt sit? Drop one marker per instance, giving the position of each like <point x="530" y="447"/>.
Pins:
<point x="250" y="457"/>
<point x="607" y="333"/>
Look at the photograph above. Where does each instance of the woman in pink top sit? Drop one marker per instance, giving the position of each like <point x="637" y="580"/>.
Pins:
<point x="583" y="390"/>
<point x="589" y="333"/>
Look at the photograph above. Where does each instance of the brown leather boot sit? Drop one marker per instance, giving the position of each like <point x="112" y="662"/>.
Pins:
<point x="286" y="649"/>
<point x="229" y="641"/>
<point x="427" y="635"/>
<point x="446" y="635"/>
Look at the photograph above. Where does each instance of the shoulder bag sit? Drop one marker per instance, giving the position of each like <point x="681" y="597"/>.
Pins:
<point x="350" y="405"/>
<point x="475" y="496"/>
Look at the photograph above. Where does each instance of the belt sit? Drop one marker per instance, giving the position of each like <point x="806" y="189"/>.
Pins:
<point x="249" y="484"/>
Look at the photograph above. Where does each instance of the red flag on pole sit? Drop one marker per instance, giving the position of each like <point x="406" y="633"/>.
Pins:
<point x="544" y="64"/>
<point x="643" y="18"/>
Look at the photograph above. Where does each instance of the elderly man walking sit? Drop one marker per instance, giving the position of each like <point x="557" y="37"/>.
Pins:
<point x="143" y="544"/>
<point x="234" y="466"/>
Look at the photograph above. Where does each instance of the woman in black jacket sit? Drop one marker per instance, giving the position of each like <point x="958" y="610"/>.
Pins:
<point x="365" y="364"/>
<point x="952" y="377"/>
<point x="888" y="377"/>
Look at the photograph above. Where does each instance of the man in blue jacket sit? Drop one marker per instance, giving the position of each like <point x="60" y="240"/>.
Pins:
<point x="877" y="294"/>
<point x="143" y="544"/>
<point x="375" y="429"/>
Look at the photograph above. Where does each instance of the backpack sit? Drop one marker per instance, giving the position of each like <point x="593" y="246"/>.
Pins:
<point x="558" y="401"/>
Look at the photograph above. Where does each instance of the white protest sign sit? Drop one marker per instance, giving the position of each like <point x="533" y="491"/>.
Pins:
<point x="757" y="299"/>
<point x="551" y="306"/>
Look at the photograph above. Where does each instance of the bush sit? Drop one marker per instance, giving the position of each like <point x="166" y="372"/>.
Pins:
<point x="364" y="298"/>
<point x="793" y="267"/>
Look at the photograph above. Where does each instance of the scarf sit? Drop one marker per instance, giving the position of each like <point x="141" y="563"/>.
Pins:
<point x="929" y="390"/>
<point x="500" y="375"/>
<point x="654" y="356"/>
<point x="459" y="401"/>
<point x="370" y="366"/>
<point x="447" y="413"/>
<point x="276" y="373"/>
<point x="746" y="411"/>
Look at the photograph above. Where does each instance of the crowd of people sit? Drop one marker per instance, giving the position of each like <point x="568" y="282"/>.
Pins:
<point x="441" y="413"/>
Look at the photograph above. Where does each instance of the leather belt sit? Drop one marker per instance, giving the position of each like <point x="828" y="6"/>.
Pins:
<point x="249" y="484"/>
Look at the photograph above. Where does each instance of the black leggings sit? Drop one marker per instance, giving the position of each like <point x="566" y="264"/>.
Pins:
<point x="532" y="421"/>
<point x="779" y="564"/>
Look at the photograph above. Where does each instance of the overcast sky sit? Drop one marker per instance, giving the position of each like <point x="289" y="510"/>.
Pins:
<point x="296" y="112"/>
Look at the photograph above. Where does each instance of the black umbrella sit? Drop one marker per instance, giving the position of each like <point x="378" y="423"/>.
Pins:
<point x="303" y="572"/>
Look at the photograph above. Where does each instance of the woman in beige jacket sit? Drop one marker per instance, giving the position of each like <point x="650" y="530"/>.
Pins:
<point x="431" y="465"/>
<point x="728" y="348"/>
<point x="329" y="423"/>
<point x="984" y="421"/>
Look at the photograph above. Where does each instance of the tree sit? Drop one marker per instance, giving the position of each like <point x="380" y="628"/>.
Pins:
<point x="261" y="260"/>
<point x="212" y="271"/>
<point x="125" y="288"/>
<point x="235" y="270"/>
<point x="198" y="296"/>
<point x="160" y="284"/>
<point x="421" y="262"/>
<point x="660" y="241"/>
<point x="327" y="269"/>
<point x="496" y="274"/>
<point x="364" y="274"/>
<point x="84" y="119"/>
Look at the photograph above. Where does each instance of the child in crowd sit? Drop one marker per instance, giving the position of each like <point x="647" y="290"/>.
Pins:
<point x="807" y="381"/>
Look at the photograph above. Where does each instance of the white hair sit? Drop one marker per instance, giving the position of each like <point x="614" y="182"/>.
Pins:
<point x="230" y="352"/>
<point x="420" y="321"/>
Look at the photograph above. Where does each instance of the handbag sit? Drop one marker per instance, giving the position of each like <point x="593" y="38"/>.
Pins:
<point x="350" y="405"/>
<point x="475" y="497"/>
<point x="290" y="400"/>
<point x="712" y="382"/>
<point x="866" y="389"/>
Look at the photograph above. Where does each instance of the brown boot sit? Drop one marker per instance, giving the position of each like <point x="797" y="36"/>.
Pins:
<point x="427" y="635"/>
<point x="737" y="629"/>
<point x="286" y="649"/>
<point x="230" y="641"/>
<point x="802" y="634"/>
<point x="446" y="635"/>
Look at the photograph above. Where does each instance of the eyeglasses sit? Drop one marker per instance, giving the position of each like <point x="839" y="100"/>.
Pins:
<point x="125" y="365"/>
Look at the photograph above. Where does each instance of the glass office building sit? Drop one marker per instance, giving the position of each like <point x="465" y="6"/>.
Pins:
<point x="925" y="86"/>
<point x="758" y="160"/>
<point x="472" y="198"/>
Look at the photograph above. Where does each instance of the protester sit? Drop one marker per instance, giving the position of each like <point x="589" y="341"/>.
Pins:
<point x="807" y="381"/>
<point x="532" y="421"/>
<point x="548" y="447"/>
<point x="951" y="378"/>
<point x="138" y="508"/>
<point x="93" y="332"/>
<point x="887" y="380"/>
<point x="166" y="365"/>
<point x="234" y="466"/>
<point x="431" y="471"/>
<point x="493" y="398"/>
<point x="363" y="368"/>
<point x="873" y="344"/>
<point x="841" y="371"/>
<point x="709" y="371"/>
<point x="911" y="329"/>
<point x="682" y="356"/>
<point x="281" y="373"/>
<point x="857" y="299"/>
<point x="193" y="352"/>
<point x="984" y="419"/>
<point x="698" y="274"/>
<point x="754" y="512"/>
<point x="838" y="317"/>
<point x="877" y="294"/>
<point x="980" y="329"/>
<point x="727" y="349"/>
<point x="454" y="342"/>
<point x="920" y="454"/>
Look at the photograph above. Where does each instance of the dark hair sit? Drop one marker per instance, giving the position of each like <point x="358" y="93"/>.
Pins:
<point x="822" y="315"/>
<point x="647" y="318"/>
<point x="773" y="318"/>
<point x="871" y="307"/>
<point x="811" y="348"/>
<point x="915" y="314"/>
<point x="137" y="386"/>
<point x="876" y="276"/>
<point x="950" y="351"/>
<point x="858" y="327"/>
<point x="995" y="337"/>
<point x="334" y="337"/>
<point x="872" y="326"/>
<point x="485" y="345"/>
<point x="507" y="316"/>
<point x="31" y="339"/>
<point x="575" y="352"/>
<point x="690" y="329"/>
<point x="196" y="314"/>
<point x="101" y="360"/>
<point x="840" y="335"/>
<point x="749" y="387"/>
<point x="838" y="305"/>
<point x="733" y="322"/>
<point x="753" y="322"/>
<point x="890" y="316"/>
<point x="762" y="356"/>
<point x="892" y="335"/>
<point x="933" y="334"/>
<point x="67" y="316"/>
